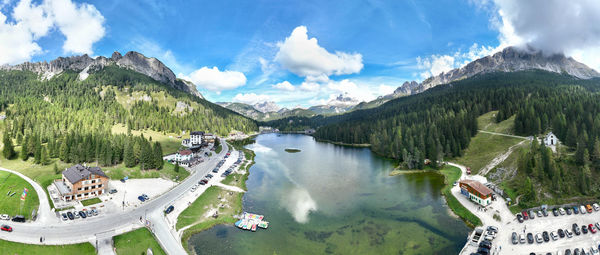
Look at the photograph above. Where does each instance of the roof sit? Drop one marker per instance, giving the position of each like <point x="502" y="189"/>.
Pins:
<point x="550" y="134"/>
<point x="185" y="152"/>
<point x="197" y="133"/>
<point x="478" y="186"/>
<point x="78" y="172"/>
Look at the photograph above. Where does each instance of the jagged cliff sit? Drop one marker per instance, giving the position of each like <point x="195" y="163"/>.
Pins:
<point x="84" y="64"/>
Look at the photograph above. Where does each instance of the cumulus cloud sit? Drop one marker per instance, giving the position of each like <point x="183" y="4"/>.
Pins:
<point x="284" y="85"/>
<point x="81" y="24"/>
<point x="385" y="89"/>
<point x="250" y="98"/>
<point x="436" y="64"/>
<point x="299" y="204"/>
<point x="215" y="80"/>
<point x="305" y="57"/>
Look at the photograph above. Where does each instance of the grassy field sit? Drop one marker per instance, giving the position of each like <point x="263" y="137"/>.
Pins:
<point x="169" y="141"/>
<point x="13" y="205"/>
<point x="452" y="174"/>
<point x="137" y="242"/>
<point x="195" y="213"/>
<point x="168" y="172"/>
<point x="483" y="148"/>
<point x="487" y="122"/>
<point x="92" y="201"/>
<point x="218" y="149"/>
<point x="7" y="247"/>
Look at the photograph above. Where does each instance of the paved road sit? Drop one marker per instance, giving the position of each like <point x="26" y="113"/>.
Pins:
<point x="87" y="230"/>
<point x="45" y="214"/>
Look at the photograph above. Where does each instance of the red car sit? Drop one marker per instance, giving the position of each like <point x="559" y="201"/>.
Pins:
<point x="6" y="228"/>
<point x="592" y="228"/>
<point x="525" y="215"/>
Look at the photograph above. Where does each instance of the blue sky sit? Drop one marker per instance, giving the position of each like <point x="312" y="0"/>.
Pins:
<point x="238" y="50"/>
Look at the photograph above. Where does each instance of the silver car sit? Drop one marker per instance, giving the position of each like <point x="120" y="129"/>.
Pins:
<point x="538" y="238"/>
<point x="568" y="233"/>
<point x="554" y="235"/>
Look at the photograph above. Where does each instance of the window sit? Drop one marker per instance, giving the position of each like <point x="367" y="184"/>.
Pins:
<point x="78" y="195"/>
<point x="100" y="186"/>
<point x="86" y="188"/>
<point x="78" y="188"/>
<point x="93" y="181"/>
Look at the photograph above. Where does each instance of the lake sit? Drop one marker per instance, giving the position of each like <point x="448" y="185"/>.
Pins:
<point x="330" y="199"/>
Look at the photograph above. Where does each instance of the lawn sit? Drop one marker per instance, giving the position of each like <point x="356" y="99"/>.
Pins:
<point x="483" y="148"/>
<point x="137" y="242"/>
<point x="13" y="205"/>
<point x="168" y="172"/>
<point x="7" y="247"/>
<point x="452" y="174"/>
<point x="169" y="141"/>
<point x="218" y="149"/>
<point x="92" y="201"/>
<point x="194" y="214"/>
<point x="487" y="122"/>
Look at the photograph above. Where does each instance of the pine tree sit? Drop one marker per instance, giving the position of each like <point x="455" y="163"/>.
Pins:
<point x="64" y="151"/>
<point x="56" y="171"/>
<point x="37" y="154"/>
<point x="24" y="155"/>
<point x="596" y="155"/>
<point x="9" y="150"/>
<point x="128" y="156"/>
<point x="176" y="168"/>
<point x="45" y="160"/>
<point x="158" y="160"/>
<point x="19" y="138"/>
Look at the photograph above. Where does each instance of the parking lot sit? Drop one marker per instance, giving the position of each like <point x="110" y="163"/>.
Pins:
<point x="502" y="244"/>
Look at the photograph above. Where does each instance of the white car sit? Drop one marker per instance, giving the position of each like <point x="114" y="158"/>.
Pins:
<point x="554" y="235"/>
<point x="596" y="206"/>
<point x="582" y="210"/>
<point x="4" y="217"/>
<point x="568" y="233"/>
<point x="562" y="211"/>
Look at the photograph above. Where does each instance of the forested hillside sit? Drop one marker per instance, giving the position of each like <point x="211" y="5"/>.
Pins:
<point x="439" y="122"/>
<point x="74" y="118"/>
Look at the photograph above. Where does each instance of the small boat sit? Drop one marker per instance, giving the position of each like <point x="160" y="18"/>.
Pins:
<point x="254" y="228"/>
<point x="238" y="223"/>
<point x="263" y="224"/>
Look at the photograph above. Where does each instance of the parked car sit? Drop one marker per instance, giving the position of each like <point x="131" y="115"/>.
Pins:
<point x="531" y="214"/>
<point x="145" y="196"/>
<point x="6" y="228"/>
<point x="82" y="214"/>
<point x="76" y="215"/>
<point x="539" y="214"/>
<point x="519" y="218"/>
<point x="545" y="212"/>
<point x="568" y="252"/>
<point x="525" y="216"/>
<point x="483" y="250"/>
<point x="522" y="238"/>
<point x="576" y="229"/>
<point x="554" y="235"/>
<point x="596" y="206"/>
<point x="88" y="213"/>
<point x="545" y="236"/>
<point x="530" y="238"/>
<point x="209" y="176"/>
<point x="112" y="191"/>
<point x="561" y="233"/>
<point x="589" y="208"/>
<point x="568" y="233"/>
<point x="597" y="225"/>
<point x="592" y="228"/>
<point x="584" y="229"/>
<point x="95" y="212"/>
<point x="569" y="211"/>
<point x="582" y="209"/>
<point x="18" y="218"/>
<point x="562" y="211"/>
<point x="169" y="209"/>
<point x="4" y="217"/>
<point x="64" y="217"/>
<point x="485" y="244"/>
<point x="216" y="170"/>
<point x="575" y="210"/>
<point x="141" y="198"/>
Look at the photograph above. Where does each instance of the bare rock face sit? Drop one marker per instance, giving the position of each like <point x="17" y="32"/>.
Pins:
<point x="135" y="61"/>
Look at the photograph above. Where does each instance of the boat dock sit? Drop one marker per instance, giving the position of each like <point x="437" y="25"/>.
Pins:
<point x="251" y="221"/>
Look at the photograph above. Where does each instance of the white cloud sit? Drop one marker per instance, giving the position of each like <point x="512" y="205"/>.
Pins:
<point x="215" y="80"/>
<point x="306" y="58"/>
<point x="385" y="89"/>
<point x="250" y="98"/>
<point x="81" y="24"/>
<point x="310" y="86"/>
<point x="284" y="85"/>
<point x="436" y="64"/>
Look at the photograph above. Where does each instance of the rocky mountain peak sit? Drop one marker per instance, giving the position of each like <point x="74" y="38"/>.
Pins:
<point x="267" y="106"/>
<point x="132" y="60"/>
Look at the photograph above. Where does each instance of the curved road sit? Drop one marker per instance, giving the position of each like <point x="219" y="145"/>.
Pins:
<point x="56" y="232"/>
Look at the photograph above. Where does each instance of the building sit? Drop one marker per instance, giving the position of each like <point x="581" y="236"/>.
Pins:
<point x="183" y="155"/>
<point x="209" y="138"/>
<point x="81" y="182"/>
<point x="550" y="139"/>
<point x="476" y="192"/>
<point x="195" y="140"/>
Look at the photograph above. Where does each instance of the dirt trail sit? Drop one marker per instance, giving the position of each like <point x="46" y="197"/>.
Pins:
<point x="499" y="159"/>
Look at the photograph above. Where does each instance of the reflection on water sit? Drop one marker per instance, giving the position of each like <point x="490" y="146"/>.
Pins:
<point x="338" y="200"/>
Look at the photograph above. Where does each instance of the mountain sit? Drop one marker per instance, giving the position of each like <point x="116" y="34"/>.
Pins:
<point x="267" y="106"/>
<point x="252" y="112"/>
<point x="84" y="65"/>
<point x="337" y="105"/>
<point x="510" y="59"/>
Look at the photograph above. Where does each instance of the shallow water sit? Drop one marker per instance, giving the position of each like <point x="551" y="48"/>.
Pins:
<point x="330" y="199"/>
